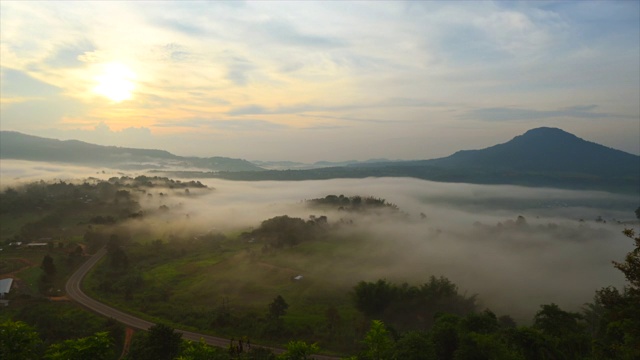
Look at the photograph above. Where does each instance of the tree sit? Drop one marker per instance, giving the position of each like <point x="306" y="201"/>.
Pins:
<point x="444" y="336"/>
<point x="414" y="345"/>
<point x="532" y="343"/>
<point x="378" y="342"/>
<point x="618" y="335"/>
<point x="48" y="266"/>
<point x="118" y="259"/>
<point x="95" y="347"/>
<point x="631" y="266"/>
<point x="278" y="308"/>
<point x="161" y="342"/>
<point x="299" y="350"/>
<point x="407" y="307"/>
<point x="19" y="341"/>
<point x="565" y="331"/>
<point x="638" y="212"/>
<point x="556" y="322"/>
<point x="333" y="318"/>
<point x="373" y="298"/>
<point x="201" y="351"/>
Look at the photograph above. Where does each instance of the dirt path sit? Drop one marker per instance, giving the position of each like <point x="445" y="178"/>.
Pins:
<point x="274" y="267"/>
<point x="128" y="335"/>
<point x="12" y="274"/>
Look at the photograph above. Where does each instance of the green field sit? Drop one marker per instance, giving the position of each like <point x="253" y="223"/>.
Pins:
<point x="236" y="278"/>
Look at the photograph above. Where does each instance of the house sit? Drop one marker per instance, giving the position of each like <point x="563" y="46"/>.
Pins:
<point x="5" y="287"/>
<point x="35" y="245"/>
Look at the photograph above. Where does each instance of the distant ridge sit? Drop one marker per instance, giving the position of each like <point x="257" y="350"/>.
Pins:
<point x="548" y="157"/>
<point x="546" y="149"/>
<point x="15" y="145"/>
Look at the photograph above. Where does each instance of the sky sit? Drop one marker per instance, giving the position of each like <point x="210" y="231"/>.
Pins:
<point x="329" y="80"/>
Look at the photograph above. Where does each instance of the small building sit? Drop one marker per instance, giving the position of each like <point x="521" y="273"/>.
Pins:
<point x="5" y="287"/>
<point x="36" y="245"/>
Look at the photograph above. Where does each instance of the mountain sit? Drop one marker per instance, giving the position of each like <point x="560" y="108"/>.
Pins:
<point x="548" y="150"/>
<point x="291" y="165"/>
<point x="15" y="145"/>
<point x="546" y="157"/>
<point x="540" y="157"/>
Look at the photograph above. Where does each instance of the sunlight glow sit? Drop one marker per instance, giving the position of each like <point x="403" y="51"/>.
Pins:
<point x="115" y="82"/>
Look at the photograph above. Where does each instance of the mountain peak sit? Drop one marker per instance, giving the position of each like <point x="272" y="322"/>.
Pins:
<point x="546" y="150"/>
<point x="547" y="132"/>
<point x="547" y="136"/>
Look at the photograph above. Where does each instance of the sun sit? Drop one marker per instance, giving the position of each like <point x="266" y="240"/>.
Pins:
<point x="115" y="82"/>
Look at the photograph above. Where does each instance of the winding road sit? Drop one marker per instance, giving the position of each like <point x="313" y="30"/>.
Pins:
<point x="75" y="292"/>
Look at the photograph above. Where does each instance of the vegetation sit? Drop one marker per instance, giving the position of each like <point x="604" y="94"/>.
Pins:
<point x="286" y="231"/>
<point x="408" y="307"/>
<point x="353" y="203"/>
<point x="251" y="286"/>
<point x="161" y="342"/>
<point x="60" y="211"/>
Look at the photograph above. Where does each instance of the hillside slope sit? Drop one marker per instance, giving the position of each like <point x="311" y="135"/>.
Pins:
<point x="15" y="145"/>
<point x="546" y="157"/>
<point x="546" y="150"/>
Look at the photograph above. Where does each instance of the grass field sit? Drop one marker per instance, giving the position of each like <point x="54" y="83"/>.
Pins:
<point x="23" y="264"/>
<point x="189" y="291"/>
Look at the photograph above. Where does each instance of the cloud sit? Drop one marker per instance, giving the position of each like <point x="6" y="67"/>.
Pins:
<point x="17" y="83"/>
<point x="249" y="110"/>
<point x="285" y="33"/>
<point x="516" y="114"/>
<point x="227" y="125"/>
<point x="247" y="125"/>
<point x="17" y="172"/>
<point x="181" y="26"/>
<point x="172" y="53"/>
<point x="39" y="113"/>
<point x="301" y="109"/>
<point x="345" y="118"/>
<point x="71" y="55"/>
<point x="238" y="71"/>
<point x="102" y="134"/>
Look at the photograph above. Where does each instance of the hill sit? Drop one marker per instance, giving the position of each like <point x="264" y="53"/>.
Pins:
<point x="548" y="150"/>
<point x="15" y="145"/>
<point x="546" y="157"/>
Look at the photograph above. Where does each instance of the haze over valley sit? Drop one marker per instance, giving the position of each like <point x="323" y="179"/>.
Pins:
<point x="465" y="232"/>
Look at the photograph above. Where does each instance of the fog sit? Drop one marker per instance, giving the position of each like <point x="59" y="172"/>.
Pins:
<point x="16" y="172"/>
<point x="469" y="235"/>
<point x="562" y="255"/>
